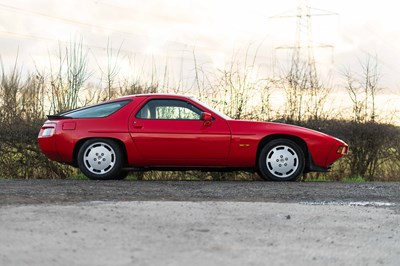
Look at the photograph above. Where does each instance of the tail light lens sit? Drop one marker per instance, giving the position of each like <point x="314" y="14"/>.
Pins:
<point x="47" y="131"/>
<point x="342" y="150"/>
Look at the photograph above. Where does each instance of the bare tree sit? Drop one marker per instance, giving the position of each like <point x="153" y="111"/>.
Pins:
<point x="9" y="87"/>
<point x="111" y="71"/>
<point x="305" y="94"/>
<point x="363" y="89"/>
<point x="32" y="97"/>
<point x="68" y="80"/>
<point x="265" y="90"/>
<point x="237" y="86"/>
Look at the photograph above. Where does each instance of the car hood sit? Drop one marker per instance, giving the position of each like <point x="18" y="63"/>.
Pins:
<point x="268" y="128"/>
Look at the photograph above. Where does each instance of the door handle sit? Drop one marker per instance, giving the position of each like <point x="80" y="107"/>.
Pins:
<point x="135" y="125"/>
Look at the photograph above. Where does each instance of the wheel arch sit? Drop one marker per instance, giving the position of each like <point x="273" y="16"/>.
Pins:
<point x="299" y="141"/>
<point x="79" y="144"/>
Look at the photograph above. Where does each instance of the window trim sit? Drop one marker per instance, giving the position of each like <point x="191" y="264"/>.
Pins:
<point x="170" y="119"/>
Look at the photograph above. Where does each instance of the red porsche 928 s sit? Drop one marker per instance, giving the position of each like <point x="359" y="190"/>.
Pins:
<point x="173" y="132"/>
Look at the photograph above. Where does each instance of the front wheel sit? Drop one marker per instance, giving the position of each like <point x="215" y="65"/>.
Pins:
<point x="100" y="159"/>
<point x="281" y="160"/>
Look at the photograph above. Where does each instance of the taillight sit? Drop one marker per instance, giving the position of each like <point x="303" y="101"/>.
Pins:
<point x="48" y="131"/>
<point x="342" y="150"/>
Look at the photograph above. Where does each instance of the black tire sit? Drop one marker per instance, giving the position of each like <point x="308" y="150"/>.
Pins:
<point x="101" y="159"/>
<point x="122" y="175"/>
<point x="281" y="160"/>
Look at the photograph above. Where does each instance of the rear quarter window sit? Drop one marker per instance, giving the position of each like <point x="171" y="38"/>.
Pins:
<point x="97" y="111"/>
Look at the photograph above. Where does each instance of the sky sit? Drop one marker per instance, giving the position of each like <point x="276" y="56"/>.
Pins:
<point x="153" y="34"/>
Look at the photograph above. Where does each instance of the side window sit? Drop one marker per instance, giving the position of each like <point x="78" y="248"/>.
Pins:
<point x="169" y="109"/>
<point x="96" y="111"/>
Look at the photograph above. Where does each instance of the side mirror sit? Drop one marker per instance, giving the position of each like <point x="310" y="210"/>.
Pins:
<point x="207" y="118"/>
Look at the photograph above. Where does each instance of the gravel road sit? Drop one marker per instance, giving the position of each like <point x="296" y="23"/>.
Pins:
<point x="74" y="191"/>
<point x="79" y="222"/>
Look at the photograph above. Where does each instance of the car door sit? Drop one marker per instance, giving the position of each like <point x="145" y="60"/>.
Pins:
<point x="171" y="132"/>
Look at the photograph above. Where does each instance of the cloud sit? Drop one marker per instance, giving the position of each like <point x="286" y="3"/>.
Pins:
<point x="216" y="30"/>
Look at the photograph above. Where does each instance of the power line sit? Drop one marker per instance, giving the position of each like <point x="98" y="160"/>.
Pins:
<point x="313" y="12"/>
<point x="89" y="46"/>
<point x="31" y="36"/>
<point x="77" y="22"/>
<point x="71" y="21"/>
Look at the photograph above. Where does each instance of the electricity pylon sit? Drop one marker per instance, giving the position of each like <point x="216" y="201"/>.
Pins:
<point x="302" y="76"/>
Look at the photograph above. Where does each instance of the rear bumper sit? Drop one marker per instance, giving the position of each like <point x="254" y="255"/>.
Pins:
<point x="48" y="146"/>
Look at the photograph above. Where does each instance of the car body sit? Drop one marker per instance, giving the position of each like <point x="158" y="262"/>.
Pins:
<point x="175" y="132"/>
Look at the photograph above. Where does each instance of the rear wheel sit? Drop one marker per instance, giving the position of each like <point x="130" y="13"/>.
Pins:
<point x="122" y="175"/>
<point x="281" y="160"/>
<point x="101" y="159"/>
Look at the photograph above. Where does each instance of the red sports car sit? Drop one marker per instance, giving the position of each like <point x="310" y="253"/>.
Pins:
<point x="173" y="132"/>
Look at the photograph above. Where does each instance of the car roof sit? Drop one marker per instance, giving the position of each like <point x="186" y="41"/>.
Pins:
<point x="155" y="95"/>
